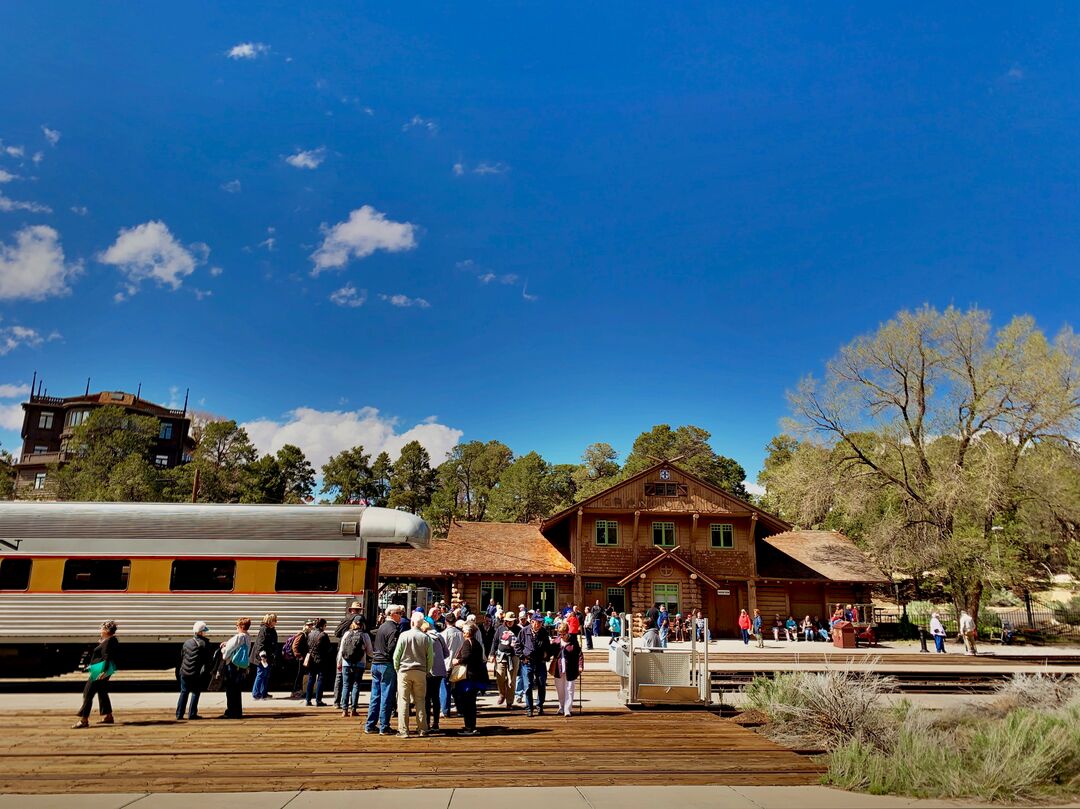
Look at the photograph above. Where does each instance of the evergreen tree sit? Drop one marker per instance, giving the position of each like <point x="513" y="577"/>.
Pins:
<point x="107" y="458"/>
<point x="348" y="477"/>
<point x="412" y="481"/>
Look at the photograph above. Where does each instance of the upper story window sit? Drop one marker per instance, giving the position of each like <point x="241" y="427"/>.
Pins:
<point x="721" y="535"/>
<point x="77" y="417"/>
<point x="607" y="532"/>
<point x="665" y="488"/>
<point x="40" y="449"/>
<point x="663" y="534"/>
<point x="166" y="430"/>
<point x="161" y="461"/>
<point x="45" y="420"/>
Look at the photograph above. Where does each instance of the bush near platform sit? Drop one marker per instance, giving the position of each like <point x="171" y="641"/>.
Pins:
<point x="1025" y="744"/>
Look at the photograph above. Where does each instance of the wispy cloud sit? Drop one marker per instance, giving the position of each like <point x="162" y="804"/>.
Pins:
<point x="7" y="176"/>
<point x="405" y="301"/>
<point x="231" y="187"/>
<point x="33" y="268"/>
<point x="365" y="231"/>
<point x="349" y="296"/>
<point x="464" y="264"/>
<point x="248" y="50"/>
<point x="150" y="251"/>
<point x="459" y="169"/>
<point x="489" y="277"/>
<point x="80" y="210"/>
<point x="419" y="122"/>
<point x="51" y="135"/>
<point x="9" y="391"/>
<point x="307" y="159"/>
<point x="1015" y="73"/>
<point x="7" y="205"/>
<point x="269" y="241"/>
<point x="13" y="337"/>
<point x="15" y="151"/>
<point x="525" y="294"/>
<point x="491" y="168"/>
<point x="38" y="157"/>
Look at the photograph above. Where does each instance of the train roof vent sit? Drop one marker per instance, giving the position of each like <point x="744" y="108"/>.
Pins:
<point x="350" y="529"/>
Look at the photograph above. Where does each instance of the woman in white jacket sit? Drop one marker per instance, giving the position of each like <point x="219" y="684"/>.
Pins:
<point x="236" y="655"/>
<point x="937" y="629"/>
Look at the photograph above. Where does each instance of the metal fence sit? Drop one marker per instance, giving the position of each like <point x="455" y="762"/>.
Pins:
<point x="1041" y="623"/>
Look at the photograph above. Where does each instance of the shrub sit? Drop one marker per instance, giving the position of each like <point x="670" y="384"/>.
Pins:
<point x="1039" y="690"/>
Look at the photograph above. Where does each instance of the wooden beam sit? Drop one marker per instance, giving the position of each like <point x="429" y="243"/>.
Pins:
<point x="575" y="560"/>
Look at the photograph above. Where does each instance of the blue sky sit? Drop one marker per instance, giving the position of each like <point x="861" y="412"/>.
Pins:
<point x="549" y="224"/>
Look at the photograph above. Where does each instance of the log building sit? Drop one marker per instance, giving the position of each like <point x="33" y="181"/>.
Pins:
<point x="661" y="536"/>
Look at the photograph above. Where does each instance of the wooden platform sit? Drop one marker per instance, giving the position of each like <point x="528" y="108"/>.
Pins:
<point x="286" y="748"/>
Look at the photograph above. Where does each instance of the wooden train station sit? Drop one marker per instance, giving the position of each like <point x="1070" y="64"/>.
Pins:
<point x="661" y="536"/>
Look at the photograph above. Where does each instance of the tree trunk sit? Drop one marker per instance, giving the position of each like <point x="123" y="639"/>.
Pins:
<point x="974" y="597"/>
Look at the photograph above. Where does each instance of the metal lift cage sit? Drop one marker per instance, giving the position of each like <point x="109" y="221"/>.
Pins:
<point x="661" y="676"/>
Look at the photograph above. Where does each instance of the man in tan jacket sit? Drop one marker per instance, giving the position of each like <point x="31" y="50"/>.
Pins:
<point x="413" y="658"/>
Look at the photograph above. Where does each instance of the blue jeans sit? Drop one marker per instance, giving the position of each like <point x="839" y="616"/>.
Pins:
<point x="522" y="684"/>
<point x="350" y="685"/>
<point x="745" y="635"/>
<point x="315" y="683"/>
<point x="664" y="632"/>
<point x="261" y="687"/>
<point x="188" y="688"/>
<point x="446" y="695"/>
<point x="535" y="675"/>
<point x="383" y="691"/>
<point x="939" y="643"/>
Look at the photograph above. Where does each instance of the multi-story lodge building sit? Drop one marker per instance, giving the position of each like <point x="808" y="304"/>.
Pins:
<point x="48" y="422"/>
<point x="661" y="536"/>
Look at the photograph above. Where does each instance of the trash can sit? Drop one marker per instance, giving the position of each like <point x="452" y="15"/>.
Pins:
<point x="843" y="635"/>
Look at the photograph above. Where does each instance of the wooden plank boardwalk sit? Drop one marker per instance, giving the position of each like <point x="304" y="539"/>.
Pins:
<point x="287" y="748"/>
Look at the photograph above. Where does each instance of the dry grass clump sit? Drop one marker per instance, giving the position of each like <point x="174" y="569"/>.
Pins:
<point x="1025" y="745"/>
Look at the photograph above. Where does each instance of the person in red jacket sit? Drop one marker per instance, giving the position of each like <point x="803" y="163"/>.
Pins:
<point x="744" y="626"/>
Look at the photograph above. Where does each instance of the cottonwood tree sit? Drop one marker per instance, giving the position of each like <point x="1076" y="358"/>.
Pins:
<point x="925" y="426"/>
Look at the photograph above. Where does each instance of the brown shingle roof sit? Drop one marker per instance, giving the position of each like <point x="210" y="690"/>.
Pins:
<point x="478" y="547"/>
<point x="829" y="553"/>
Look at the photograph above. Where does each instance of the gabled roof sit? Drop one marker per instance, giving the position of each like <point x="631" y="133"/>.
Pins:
<point x="766" y="518"/>
<point x="478" y="547"/>
<point x="828" y="553"/>
<point x="668" y="555"/>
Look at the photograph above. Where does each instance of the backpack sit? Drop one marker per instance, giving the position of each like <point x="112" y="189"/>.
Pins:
<point x="352" y="648"/>
<point x="343" y="626"/>
<point x="288" y="649"/>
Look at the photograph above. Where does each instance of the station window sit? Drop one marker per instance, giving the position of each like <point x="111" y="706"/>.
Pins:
<point x="96" y="574"/>
<point x="15" y="574"/>
<point x="161" y="461"/>
<point x="45" y="420"/>
<point x="518" y="585"/>
<point x="166" y="431"/>
<point x="544" y="596"/>
<point x="667" y="595"/>
<point x="607" y="532"/>
<point x="721" y="535"/>
<point x="202" y="574"/>
<point x="39" y="481"/>
<point x="490" y="590"/>
<point x="663" y="534"/>
<point x="306" y="577"/>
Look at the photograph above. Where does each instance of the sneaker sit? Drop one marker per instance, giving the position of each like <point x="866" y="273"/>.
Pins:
<point x="541" y="711"/>
<point x="423" y="734"/>
<point x="468" y="732"/>
<point x="403" y="735"/>
<point x="528" y="711"/>
<point x="386" y="732"/>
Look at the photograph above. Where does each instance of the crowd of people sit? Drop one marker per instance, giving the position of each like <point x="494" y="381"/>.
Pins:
<point x="791" y="630"/>
<point x="431" y="664"/>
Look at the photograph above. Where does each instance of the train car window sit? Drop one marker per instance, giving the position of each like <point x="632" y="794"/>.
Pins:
<point x="202" y="574"/>
<point x="306" y="577"/>
<point x="96" y="574"/>
<point x="15" y="574"/>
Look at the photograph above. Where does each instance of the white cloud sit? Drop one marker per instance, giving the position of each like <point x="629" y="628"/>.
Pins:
<point x="11" y="417"/>
<point x="417" y="122"/>
<point x="322" y="433"/>
<point x="754" y="488"/>
<point x="464" y="265"/>
<point x="38" y="157"/>
<point x="365" y="231"/>
<point x="309" y="159"/>
<point x="149" y="251"/>
<point x="1015" y="73"/>
<point x="33" y="268"/>
<point x="459" y="169"/>
<point x="15" y="151"/>
<point x="51" y="135"/>
<point x="80" y="210"/>
<point x="7" y="176"/>
<point x="248" y="50"/>
<point x="270" y="241"/>
<point x="14" y="391"/>
<point x="349" y="295"/>
<point x="404" y="301"/>
<point x="525" y="294"/>
<point x="216" y="271"/>
<point x="12" y="337"/>
<point x="7" y="205"/>
<point x="491" y="168"/>
<point x="488" y="277"/>
<point x="231" y="187"/>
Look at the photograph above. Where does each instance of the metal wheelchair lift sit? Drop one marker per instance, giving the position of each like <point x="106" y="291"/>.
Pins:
<point x="661" y="677"/>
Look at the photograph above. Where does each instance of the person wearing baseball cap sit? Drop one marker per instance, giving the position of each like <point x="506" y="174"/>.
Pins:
<point x="195" y="661"/>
